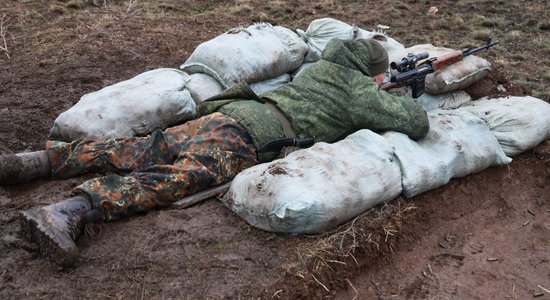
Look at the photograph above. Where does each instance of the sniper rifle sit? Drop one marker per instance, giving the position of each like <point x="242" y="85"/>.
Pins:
<point x="411" y="75"/>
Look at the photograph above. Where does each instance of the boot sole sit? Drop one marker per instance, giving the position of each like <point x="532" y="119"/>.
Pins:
<point x="56" y="246"/>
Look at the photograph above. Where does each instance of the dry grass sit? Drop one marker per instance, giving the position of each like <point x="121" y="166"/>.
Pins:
<point x="3" y="35"/>
<point x="367" y="236"/>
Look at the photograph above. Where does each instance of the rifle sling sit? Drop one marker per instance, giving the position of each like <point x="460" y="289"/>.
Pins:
<point x="287" y="128"/>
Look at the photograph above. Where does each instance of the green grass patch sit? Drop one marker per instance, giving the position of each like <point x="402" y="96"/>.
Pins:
<point x="240" y="9"/>
<point x="482" y="34"/>
<point x="543" y="94"/>
<point x="490" y="22"/>
<point x="541" y="45"/>
<point x="76" y="4"/>
<point x="218" y="245"/>
<point x="513" y="35"/>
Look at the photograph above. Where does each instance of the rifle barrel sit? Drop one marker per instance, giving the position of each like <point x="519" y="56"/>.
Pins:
<point x="471" y="51"/>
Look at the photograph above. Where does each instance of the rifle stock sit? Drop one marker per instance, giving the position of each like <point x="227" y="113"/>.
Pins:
<point x="447" y="60"/>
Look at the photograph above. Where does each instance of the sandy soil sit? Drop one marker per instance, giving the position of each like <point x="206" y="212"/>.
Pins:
<point x="486" y="236"/>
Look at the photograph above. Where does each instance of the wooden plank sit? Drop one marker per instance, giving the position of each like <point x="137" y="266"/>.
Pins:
<point x="201" y="196"/>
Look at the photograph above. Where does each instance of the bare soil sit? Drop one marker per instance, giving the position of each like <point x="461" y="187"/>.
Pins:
<point x="485" y="236"/>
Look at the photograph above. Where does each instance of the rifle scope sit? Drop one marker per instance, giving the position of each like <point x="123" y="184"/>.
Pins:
<point x="409" y="61"/>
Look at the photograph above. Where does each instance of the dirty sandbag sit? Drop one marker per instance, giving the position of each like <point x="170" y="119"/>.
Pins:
<point x="315" y="189"/>
<point x="256" y="53"/>
<point x="265" y="86"/>
<point x="457" y="144"/>
<point x="449" y="100"/>
<point x="202" y="86"/>
<point x="457" y="76"/>
<point x="321" y="31"/>
<point x="454" y="77"/>
<point x="151" y="100"/>
<point x="518" y="123"/>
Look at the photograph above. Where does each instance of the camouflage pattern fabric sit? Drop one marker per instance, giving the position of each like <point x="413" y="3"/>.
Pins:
<point x="337" y="96"/>
<point x="333" y="98"/>
<point x="243" y="105"/>
<point x="163" y="167"/>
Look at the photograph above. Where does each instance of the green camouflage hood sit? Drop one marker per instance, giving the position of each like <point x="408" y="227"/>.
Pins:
<point x="365" y="56"/>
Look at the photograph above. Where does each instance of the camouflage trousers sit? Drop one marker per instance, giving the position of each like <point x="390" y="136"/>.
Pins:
<point x="161" y="168"/>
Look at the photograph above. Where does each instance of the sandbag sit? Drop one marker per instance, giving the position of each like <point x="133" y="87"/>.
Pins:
<point x="265" y="86"/>
<point x="321" y="31"/>
<point x="151" y="100"/>
<point x="451" y="78"/>
<point x="457" y="76"/>
<point x="518" y="123"/>
<point x="449" y="100"/>
<point x="458" y="144"/>
<point x="312" y="190"/>
<point x="390" y="44"/>
<point x="256" y="53"/>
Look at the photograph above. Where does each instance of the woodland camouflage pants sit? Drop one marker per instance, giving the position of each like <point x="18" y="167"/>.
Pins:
<point x="161" y="168"/>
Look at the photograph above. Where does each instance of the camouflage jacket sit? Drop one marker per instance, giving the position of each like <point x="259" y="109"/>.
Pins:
<point x="333" y="98"/>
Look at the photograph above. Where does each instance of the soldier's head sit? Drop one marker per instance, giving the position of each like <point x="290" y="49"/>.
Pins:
<point x="364" y="55"/>
<point x="379" y="62"/>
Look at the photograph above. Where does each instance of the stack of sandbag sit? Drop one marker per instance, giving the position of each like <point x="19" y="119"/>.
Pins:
<point x="518" y="123"/>
<point x="151" y="100"/>
<point x="260" y="54"/>
<point x="312" y="190"/>
<point x="252" y="54"/>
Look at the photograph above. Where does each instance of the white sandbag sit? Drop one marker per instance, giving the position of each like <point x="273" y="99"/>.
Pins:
<point x="151" y="100"/>
<point x="454" y="77"/>
<point x="390" y="44"/>
<point x="265" y="86"/>
<point x="458" y="144"/>
<point x="448" y="100"/>
<point x="202" y="87"/>
<point x="256" y="53"/>
<point x="312" y="190"/>
<point x="321" y="31"/>
<point x="518" y="123"/>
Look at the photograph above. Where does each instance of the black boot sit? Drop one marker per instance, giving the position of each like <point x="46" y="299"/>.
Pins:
<point x="55" y="227"/>
<point x="23" y="167"/>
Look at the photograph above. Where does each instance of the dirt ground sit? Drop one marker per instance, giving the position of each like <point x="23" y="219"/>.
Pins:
<point x="485" y="236"/>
